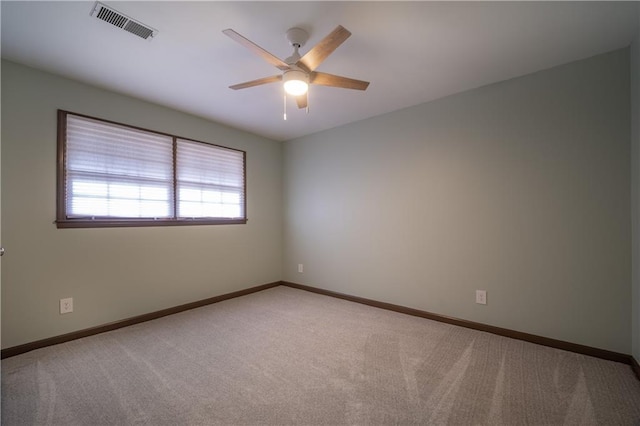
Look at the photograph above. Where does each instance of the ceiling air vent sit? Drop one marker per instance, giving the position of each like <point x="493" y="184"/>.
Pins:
<point x="107" y="14"/>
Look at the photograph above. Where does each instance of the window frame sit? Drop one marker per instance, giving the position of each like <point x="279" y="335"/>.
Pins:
<point x="62" y="221"/>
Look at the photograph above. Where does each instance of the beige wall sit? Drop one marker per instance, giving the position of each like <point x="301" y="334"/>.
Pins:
<point x="116" y="273"/>
<point x="520" y="188"/>
<point x="635" y="188"/>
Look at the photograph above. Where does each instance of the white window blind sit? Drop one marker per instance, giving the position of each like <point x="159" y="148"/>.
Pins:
<point x="117" y="171"/>
<point x="210" y="181"/>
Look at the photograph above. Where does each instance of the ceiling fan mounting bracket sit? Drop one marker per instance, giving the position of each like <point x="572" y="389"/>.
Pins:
<point x="297" y="36"/>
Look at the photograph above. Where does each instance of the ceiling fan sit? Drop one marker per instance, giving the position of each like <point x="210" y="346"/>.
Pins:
<point x="299" y="71"/>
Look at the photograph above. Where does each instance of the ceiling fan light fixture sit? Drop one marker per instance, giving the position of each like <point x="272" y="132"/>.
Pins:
<point x="296" y="82"/>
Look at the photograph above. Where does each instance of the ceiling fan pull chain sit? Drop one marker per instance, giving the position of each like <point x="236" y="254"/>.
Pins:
<point x="285" y="105"/>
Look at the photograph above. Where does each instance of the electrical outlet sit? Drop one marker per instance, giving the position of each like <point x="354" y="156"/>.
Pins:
<point x="481" y="297"/>
<point x="300" y="267"/>
<point x="66" y="305"/>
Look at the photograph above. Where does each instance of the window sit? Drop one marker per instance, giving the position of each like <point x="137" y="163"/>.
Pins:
<point x="110" y="174"/>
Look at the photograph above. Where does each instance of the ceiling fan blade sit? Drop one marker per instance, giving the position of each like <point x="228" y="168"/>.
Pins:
<point x="258" y="82"/>
<point x="313" y="58"/>
<point x="325" y="79"/>
<point x="302" y="101"/>
<point x="273" y="60"/>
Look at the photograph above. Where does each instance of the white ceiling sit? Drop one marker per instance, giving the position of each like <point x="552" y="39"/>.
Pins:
<point x="411" y="52"/>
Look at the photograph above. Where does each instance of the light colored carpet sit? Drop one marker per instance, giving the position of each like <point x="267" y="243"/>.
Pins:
<point x="286" y="356"/>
